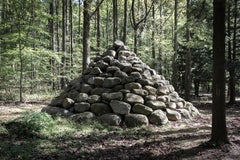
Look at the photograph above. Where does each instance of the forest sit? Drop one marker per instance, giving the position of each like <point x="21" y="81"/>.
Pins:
<point x="48" y="48"/>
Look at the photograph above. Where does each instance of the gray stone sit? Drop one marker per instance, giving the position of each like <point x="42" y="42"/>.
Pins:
<point x="98" y="81"/>
<point x="158" y="117"/>
<point x="86" y="88"/>
<point x="150" y="89"/>
<point x="117" y="44"/>
<point x="82" y="97"/>
<point x="57" y="101"/>
<point x="56" y="111"/>
<point x="174" y="96"/>
<point x="173" y="115"/>
<point x="100" y="108"/>
<point x="73" y="94"/>
<point x="112" y="69"/>
<point x="124" y="91"/>
<point x="185" y="113"/>
<point x="112" y="96"/>
<point x="135" y="75"/>
<point x="133" y="98"/>
<point x="181" y="104"/>
<point x="123" y="65"/>
<point x="141" y="92"/>
<point x="94" y="98"/>
<point x="102" y="65"/>
<point x="107" y="59"/>
<point x="193" y="110"/>
<point x="120" y="107"/>
<point x="150" y="97"/>
<point x="91" y="80"/>
<point x="156" y="104"/>
<point x="110" y="119"/>
<point x="111" y="53"/>
<point x="118" y="87"/>
<point x="105" y="75"/>
<point x="97" y="58"/>
<point x="120" y="74"/>
<point x="123" y="48"/>
<point x="133" y="85"/>
<point x="162" y="90"/>
<point x="145" y="82"/>
<point x="67" y="103"/>
<point x="124" y="53"/>
<point x="164" y="98"/>
<point x="136" y="120"/>
<point x="142" y="109"/>
<point x="111" y="82"/>
<point x="99" y="91"/>
<point x="81" y="107"/>
<point x="95" y="71"/>
<point x="172" y="105"/>
<point x="81" y="117"/>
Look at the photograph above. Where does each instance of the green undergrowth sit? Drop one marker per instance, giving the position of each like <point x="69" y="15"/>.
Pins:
<point x="37" y="135"/>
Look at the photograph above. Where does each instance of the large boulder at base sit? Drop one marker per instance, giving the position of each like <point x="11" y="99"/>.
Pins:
<point x="111" y="119"/>
<point x="80" y="117"/>
<point x="120" y="107"/>
<point x="136" y="120"/>
<point x="119" y="88"/>
<point x="158" y="117"/>
<point x="56" y="111"/>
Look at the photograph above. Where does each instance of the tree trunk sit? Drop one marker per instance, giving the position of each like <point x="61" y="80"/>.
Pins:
<point x="51" y="45"/>
<point x="79" y="21"/>
<point x="187" y="78"/>
<point x="232" y="74"/>
<point x="107" y="25"/>
<point x="115" y="20"/>
<point x="98" y="30"/>
<point x="153" y="39"/>
<point x="124" y="39"/>
<point x="175" y="47"/>
<point x="135" y="42"/>
<point x="86" y="34"/>
<point x="71" y="35"/>
<point x="219" y="129"/>
<point x="63" y="80"/>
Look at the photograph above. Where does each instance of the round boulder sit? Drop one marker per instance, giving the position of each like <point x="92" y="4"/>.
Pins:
<point x="110" y="119"/>
<point x="136" y="120"/>
<point x="158" y="117"/>
<point x="133" y="98"/>
<point x="120" y="107"/>
<point x="100" y="108"/>
<point x="142" y="109"/>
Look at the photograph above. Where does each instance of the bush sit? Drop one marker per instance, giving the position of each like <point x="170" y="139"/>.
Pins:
<point x="30" y="124"/>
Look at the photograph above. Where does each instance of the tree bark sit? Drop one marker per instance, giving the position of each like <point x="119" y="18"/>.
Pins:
<point x="153" y="39"/>
<point x="71" y="35"/>
<point x="124" y="39"/>
<point x="115" y="20"/>
<point x="232" y="74"/>
<point x="63" y="79"/>
<point x="98" y="29"/>
<point x="86" y="34"/>
<point x="175" y="47"/>
<point x="219" y="128"/>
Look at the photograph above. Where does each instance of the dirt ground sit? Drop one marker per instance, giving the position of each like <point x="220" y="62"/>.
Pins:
<point x="177" y="140"/>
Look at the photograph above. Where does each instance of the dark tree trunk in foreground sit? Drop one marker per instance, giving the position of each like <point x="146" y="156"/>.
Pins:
<point x="86" y="34"/>
<point x="219" y="129"/>
<point x="64" y="10"/>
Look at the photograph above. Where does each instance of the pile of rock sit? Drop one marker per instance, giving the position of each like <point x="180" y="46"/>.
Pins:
<point x="118" y="88"/>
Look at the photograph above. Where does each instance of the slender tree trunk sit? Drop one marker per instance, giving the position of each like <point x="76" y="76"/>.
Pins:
<point x="86" y="34"/>
<point x="219" y="128"/>
<point x="153" y="39"/>
<point x="232" y="71"/>
<point x="175" y="47"/>
<point x="71" y="35"/>
<point x="21" y="64"/>
<point x="63" y="79"/>
<point x="115" y="20"/>
<point x="135" y="42"/>
<point x="124" y="39"/>
<point x="79" y="21"/>
<point x="51" y="40"/>
<point x="187" y="79"/>
<point x="107" y="25"/>
<point x="98" y="30"/>
<point x="160" y="61"/>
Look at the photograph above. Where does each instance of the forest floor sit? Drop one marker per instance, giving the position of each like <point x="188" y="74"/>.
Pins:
<point x="177" y="140"/>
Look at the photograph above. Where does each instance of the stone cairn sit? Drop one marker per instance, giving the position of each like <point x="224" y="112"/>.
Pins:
<point x="119" y="89"/>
